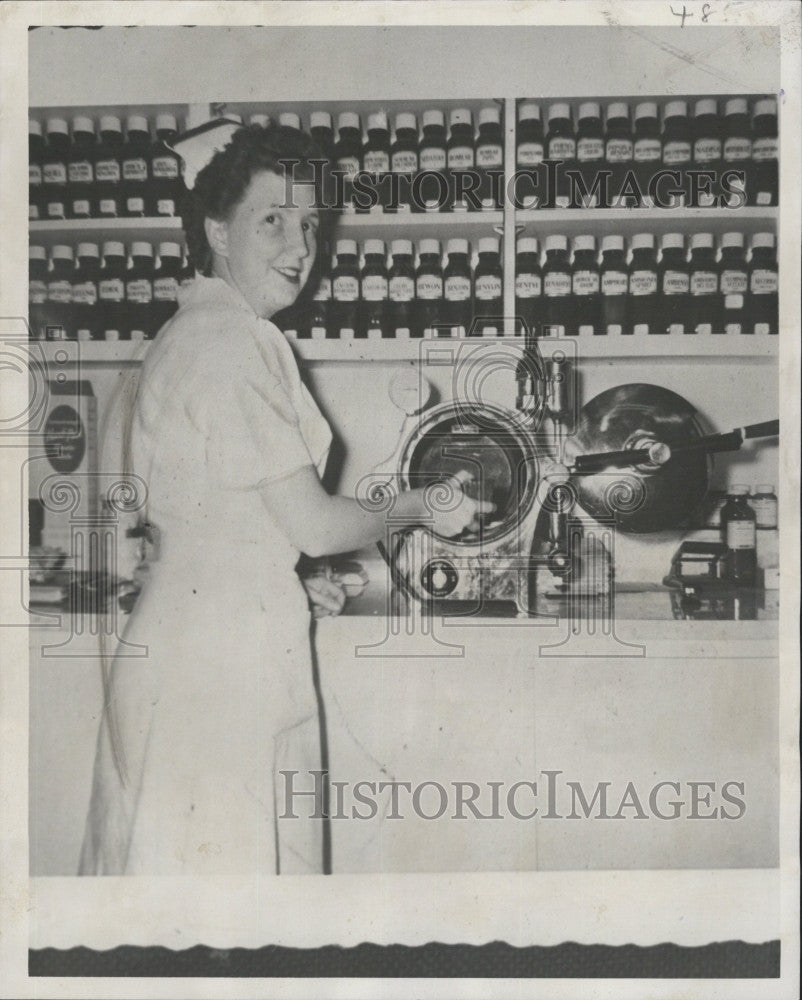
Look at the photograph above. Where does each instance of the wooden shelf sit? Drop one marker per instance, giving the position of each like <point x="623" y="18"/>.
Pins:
<point x="572" y="221"/>
<point x="47" y="233"/>
<point x="410" y="225"/>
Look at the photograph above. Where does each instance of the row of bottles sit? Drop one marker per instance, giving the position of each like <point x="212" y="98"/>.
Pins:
<point x="699" y="154"/>
<point x="405" y="299"/>
<point x="81" y="295"/>
<point x="84" y="172"/>
<point x="689" y="289"/>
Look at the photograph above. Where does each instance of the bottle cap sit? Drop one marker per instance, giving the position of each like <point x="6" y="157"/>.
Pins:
<point x="675" y="109"/>
<point x="320" y="119"/>
<point x="406" y="120"/>
<point x="401" y="247"/>
<point x="646" y="109"/>
<point x="767" y="106"/>
<point x="488" y="244"/>
<point x="348" y="119"/>
<point x="110" y="123"/>
<point x="34" y="127"/>
<point x="460" y="116"/>
<point x="702" y="241"/>
<point x="738" y="490"/>
<point x="672" y="241"/>
<point x="57" y="126"/>
<point x="289" y="119"/>
<point x="707" y="106"/>
<point x="88" y="250"/>
<point x="83" y="124"/>
<point x="113" y="249"/>
<point x="141" y="249"/>
<point x="526" y="244"/>
<point x="528" y="111"/>
<point x="763" y="240"/>
<point x="169" y="250"/>
<point x="378" y="121"/>
<point x="61" y="252"/>
<point x="618" y="109"/>
<point x="559" y="111"/>
<point x="433" y="117"/>
<point x="346" y="248"/>
<point x="373" y="247"/>
<point x="166" y="123"/>
<point x="137" y="123"/>
<point x="589" y="109"/>
<point x="736" y="106"/>
<point x="765" y="488"/>
<point x="490" y="115"/>
<point x="612" y="243"/>
<point x="556" y="243"/>
<point x="584" y="243"/>
<point x="429" y="246"/>
<point x="36" y="252"/>
<point x="642" y="241"/>
<point x="732" y="240"/>
<point x="232" y="117"/>
<point x="457" y="246"/>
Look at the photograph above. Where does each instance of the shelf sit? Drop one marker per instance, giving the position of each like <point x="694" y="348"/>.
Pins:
<point x="439" y="225"/>
<point x="657" y="220"/>
<point x="73" y="230"/>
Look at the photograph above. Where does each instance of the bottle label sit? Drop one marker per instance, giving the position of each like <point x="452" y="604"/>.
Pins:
<point x="55" y="210"/>
<point x="733" y="282"/>
<point x="37" y="292"/>
<point x="135" y="170"/>
<point x="165" y="289"/>
<point x="404" y="162"/>
<point x="59" y="291"/>
<point x="460" y="158"/>
<point x="374" y="288"/>
<point x="165" y="168"/>
<point x="562" y="149"/>
<point x="107" y="170"/>
<point x="644" y="150"/>
<point x="530" y="154"/>
<point x="705" y="150"/>
<point x="762" y="149"/>
<point x="376" y="162"/>
<point x="34" y="174"/>
<point x="590" y="149"/>
<point x="614" y="283"/>
<point x="557" y="283"/>
<point x="111" y="289"/>
<point x="108" y="206"/>
<point x="80" y="207"/>
<point x="55" y="173"/>
<point x="457" y="288"/>
<point x="763" y="282"/>
<point x="489" y="156"/>
<point x="737" y="148"/>
<point x="402" y="289"/>
<point x="85" y="293"/>
<point x="488" y="286"/>
<point x="139" y="290"/>
<point x="349" y="165"/>
<point x="165" y="206"/>
<point x="345" y="288"/>
<point x="528" y="286"/>
<point x="676" y="283"/>
<point x="643" y="283"/>
<point x="433" y="158"/>
<point x="135" y="205"/>
<point x="80" y="172"/>
<point x="704" y="283"/>
<point x="765" y="510"/>
<point x="323" y="291"/>
<point x="740" y="535"/>
<point x="676" y="151"/>
<point x="585" y="283"/>
<point x="619" y="150"/>
<point x="429" y="286"/>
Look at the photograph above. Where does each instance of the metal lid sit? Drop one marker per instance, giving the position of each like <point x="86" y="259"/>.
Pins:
<point x="732" y="240"/>
<point x="706" y="106"/>
<point x="738" y="490"/>
<point x="169" y="250"/>
<point x="57" y="126"/>
<point x="457" y="246"/>
<point x="113" y="249"/>
<point x="137" y="123"/>
<point x="584" y="243"/>
<point x="526" y="244"/>
<point x="348" y="119"/>
<point x="612" y="243"/>
<point x="141" y="249"/>
<point x="702" y="241"/>
<point x="490" y="115"/>
<point x="36" y="252"/>
<point x="373" y="247"/>
<point x="672" y="241"/>
<point x="556" y="243"/>
<point x="560" y="110"/>
<point x="81" y="123"/>
<point x="460" y="116"/>
<point x="433" y="117"/>
<point x="643" y="241"/>
<point x="736" y="106"/>
<point x="429" y="246"/>
<point x="166" y="123"/>
<point x="289" y="119"/>
<point x="377" y="120"/>
<point x="618" y="109"/>
<point x="406" y="120"/>
<point x="110" y="123"/>
<point x="320" y="119"/>
<point x="88" y="250"/>
<point x="400" y="247"/>
<point x="646" y="109"/>
<point x="529" y="110"/>
<point x="764" y="488"/>
<point x="675" y="109"/>
<point x="767" y="106"/>
<point x="488" y="244"/>
<point x="589" y="109"/>
<point x="346" y="247"/>
<point x="763" y="240"/>
<point x="61" y="252"/>
<point x="34" y="127"/>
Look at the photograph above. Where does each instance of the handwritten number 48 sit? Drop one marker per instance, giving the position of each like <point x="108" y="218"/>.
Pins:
<point x="684" y="13"/>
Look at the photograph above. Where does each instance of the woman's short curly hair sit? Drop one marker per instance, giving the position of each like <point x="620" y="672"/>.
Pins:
<point x="223" y="182"/>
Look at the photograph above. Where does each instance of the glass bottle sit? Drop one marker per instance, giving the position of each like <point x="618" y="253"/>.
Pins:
<point x="374" y="291"/>
<point x="585" y="317"/>
<point x="590" y="152"/>
<point x="647" y="149"/>
<point x="108" y="173"/>
<point x="430" y="193"/>
<point x="704" y="297"/>
<point x="734" y="282"/>
<point x="166" y="279"/>
<point x="675" y="286"/>
<point x="457" y="288"/>
<point x="345" y="292"/>
<point x="404" y="158"/>
<point x="139" y="293"/>
<point x="320" y="128"/>
<point x="613" y="283"/>
<point x="764" y="503"/>
<point x="36" y="149"/>
<point x="59" y="294"/>
<point x="37" y="292"/>
<point x="111" y="290"/>
<point x="81" y="168"/>
<point x="736" y="151"/>
<point x="428" y="288"/>
<point x="763" y="286"/>
<point x="677" y="147"/>
<point x="320" y="306"/>
<point x="764" y="187"/>
<point x="488" y="290"/>
<point x="529" y="180"/>
<point x="556" y="287"/>
<point x="136" y="166"/>
<point x="643" y="303"/>
<point x="528" y="284"/>
<point x="165" y="186"/>
<point x="490" y="157"/>
<point x="376" y="156"/>
<point x="85" y="308"/>
<point x="54" y="169"/>
<point x="401" y="287"/>
<point x="560" y="146"/>
<point x="348" y="155"/>
<point x="461" y="160"/>
<point x="618" y="154"/>
<point x="707" y="130"/>
<point x="738" y="528"/>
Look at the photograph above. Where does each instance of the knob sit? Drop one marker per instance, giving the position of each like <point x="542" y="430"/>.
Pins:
<point x="439" y="578"/>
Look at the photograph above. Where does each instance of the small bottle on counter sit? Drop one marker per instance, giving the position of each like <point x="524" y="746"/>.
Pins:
<point x="139" y="293"/>
<point x="589" y="150"/>
<point x="556" y="287"/>
<point x="737" y="150"/>
<point x="764" y="503"/>
<point x="86" y="317"/>
<point x="136" y="166"/>
<point x="528" y="285"/>
<point x="54" y="169"/>
<point x="166" y="280"/>
<point x="374" y="292"/>
<point x="763" y="287"/>
<point x="461" y="157"/>
<point x="614" y="284"/>
<point x="59" y="294"/>
<point x="675" y="286"/>
<point x="457" y="288"/>
<point x="677" y="148"/>
<point x="714" y="504"/>
<point x="618" y="153"/>
<point x="165" y="187"/>
<point x="560" y="145"/>
<point x="345" y="292"/>
<point x="643" y="305"/>
<point x="704" y="316"/>
<point x="432" y="192"/>
<point x="404" y="158"/>
<point x="81" y="169"/>
<point x="36" y="149"/>
<point x="734" y="282"/>
<point x="764" y="187"/>
<point x="738" y="526"/>
<point x="428" y="288"/>
<point x="647" y="149"/>
<point x="111" y="290"/>
<point x="489" y="156"/>
<point x="488" y="290"/>
<point x="108" y="173"/>
<point x="37" y="292"/>
<point x="401" y="288"/>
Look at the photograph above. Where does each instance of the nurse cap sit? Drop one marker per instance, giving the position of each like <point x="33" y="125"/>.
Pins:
<point x="197" y="147"/>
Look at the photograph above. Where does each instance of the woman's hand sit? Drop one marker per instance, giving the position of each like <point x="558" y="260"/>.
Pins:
<point x="462" y="515"/>
<point x="326" y="596"/>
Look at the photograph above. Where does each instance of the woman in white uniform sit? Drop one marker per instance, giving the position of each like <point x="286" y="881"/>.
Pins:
<point x="231" y="446"/>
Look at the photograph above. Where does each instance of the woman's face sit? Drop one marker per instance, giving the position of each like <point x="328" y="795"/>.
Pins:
<point x="266" y="248"/>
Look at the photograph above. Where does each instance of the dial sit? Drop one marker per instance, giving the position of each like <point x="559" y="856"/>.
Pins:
<point x="439" y="577"/>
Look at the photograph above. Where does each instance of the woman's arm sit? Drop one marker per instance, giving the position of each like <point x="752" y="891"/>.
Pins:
<point x="321" y="525"/>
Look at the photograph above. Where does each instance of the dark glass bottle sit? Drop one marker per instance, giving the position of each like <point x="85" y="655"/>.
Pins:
<point x="736" y="150"/>
<point x="317" y="322"/>
<point x="374" y="291"/>
<point x="585" y="316"/>
<point x="401" y="287"/>
<point x="488" y="290"/>
<point x="166" y="280"/>
<point x="59" y="324"/>
<point x="139" y="293"/>
<point x="428" y="288"/>
<point x="85" y="308"/>
<point x="165" y="167"/>
<point x="560" y="146"/>
<point x="614" y="284"/>
<point x="733" y="284"/>
<point x="345" y="292"/>
<point x="677" y="148"/>
<point x="37" y="292"/>
<point x="430" y="193"/>
<point x="320" y="128"/>
<point x="404" y="159"/>
<point x="376" y="156"/>
<point x="528" y="285"/>
<point x="36" y="148"/>
<point x="529" y="154"/>
<point x="136" y="166"/>
<point x="461" y="159"/>
<point x="490" y="157"/>
<point x="764" y="187"/>
<point x="704" y="298"/>
<point x="707" y="151"/>
<point x="108" y="173"/>
<point x="643" y="304"/>
<point x="739" y="535"/>
<point x="556" y="287"/>
<point x="81" y="168"/>
<point x="618" y="155"/>
<point x="647" y="149"/>
<point x="675" y="286"/>
<point x="763" y="286"/>
<point x="348" y="155"/>
<point x="457" y="288"/>
<point x="54" y="169"/>
<point x="111" y="291"/>
<point x="590" y="152"/>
